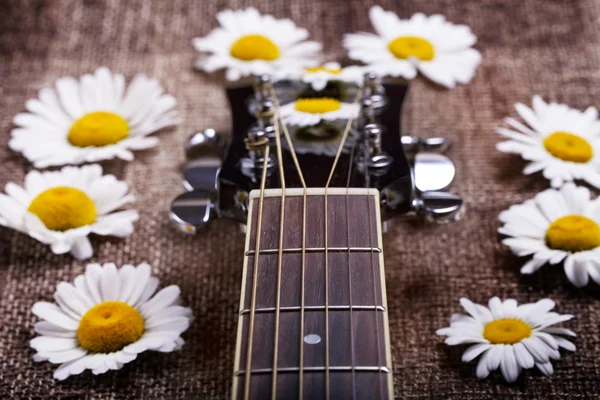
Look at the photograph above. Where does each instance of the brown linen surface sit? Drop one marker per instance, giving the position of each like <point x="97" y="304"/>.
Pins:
<point x="528" y="47"/>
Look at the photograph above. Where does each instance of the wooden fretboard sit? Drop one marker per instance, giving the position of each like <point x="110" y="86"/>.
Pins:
<point x="358" y="347"/>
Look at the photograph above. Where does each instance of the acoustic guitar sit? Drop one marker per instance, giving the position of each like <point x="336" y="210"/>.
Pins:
<point x="312" y="320"/>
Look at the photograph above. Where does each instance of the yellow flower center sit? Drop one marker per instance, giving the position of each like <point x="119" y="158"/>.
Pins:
<point x="254" y="47"/>
<point x="412" y="46"/>
<point x="506" y="331"/>
<point x="573" y="233"/>
<point x="109" y="326"/>
<point x="62" y="208"/>
<point x="314" y="70"/>
<point x="317" y="105"/>
<point x="568" y="147"/>
<point x="99" y="128"/>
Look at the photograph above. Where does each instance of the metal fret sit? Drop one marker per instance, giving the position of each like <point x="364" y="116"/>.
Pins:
<point x="318" y="249"/>
<point x="314" y="308"/>
<point x="373" y="368"/>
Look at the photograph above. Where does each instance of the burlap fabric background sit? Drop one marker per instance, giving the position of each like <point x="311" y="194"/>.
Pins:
<point x="546" y="47"/>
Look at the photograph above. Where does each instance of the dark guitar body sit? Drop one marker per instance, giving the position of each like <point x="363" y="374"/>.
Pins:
<point x="395" y="179"/>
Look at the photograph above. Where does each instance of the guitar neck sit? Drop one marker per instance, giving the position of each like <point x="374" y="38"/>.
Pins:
<point x="328" y="337"/>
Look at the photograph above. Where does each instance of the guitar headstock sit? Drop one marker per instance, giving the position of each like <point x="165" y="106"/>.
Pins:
<point x="411" y="174"/>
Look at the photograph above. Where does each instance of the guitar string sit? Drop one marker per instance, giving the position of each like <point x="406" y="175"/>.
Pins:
<point x="292" y="150"/>
<point x="279" y="256"/>
<point x="352" y="354"/>
<point x="381" y="389"/>
<point x="303" y="250"/>
<point x="255" y="273"/>
<point x="335" y="161"/>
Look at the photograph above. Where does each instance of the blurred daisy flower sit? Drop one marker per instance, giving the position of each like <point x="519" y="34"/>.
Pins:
<point x="105" y="318"/>
<point x="509" y="336"/>
<point x="61" y="208"/>
<point x="562" y="142"/>
<point x="92" y="119"/>
<point x="438" y="49"/>
<point x="318" y="77"/>
<point x="557" y="226"/>
<point x="313" y="110"/>
<point x="249" y="43"/>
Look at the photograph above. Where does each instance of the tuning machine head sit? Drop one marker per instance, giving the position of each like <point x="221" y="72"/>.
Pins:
<point x="192" y="211"/>
<point x="439" y="207"/>
<point x="415" y="144"/>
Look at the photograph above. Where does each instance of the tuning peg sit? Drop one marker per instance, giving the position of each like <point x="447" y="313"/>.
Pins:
<point x="439" y="207"/>
<point x="202" y="174"/>
<point x="437" y="144"/>
<point x="414" y="144"/>
<point x="192" y="211"/>
<point x="433" y="172"/>
<point x="205" y="143"/>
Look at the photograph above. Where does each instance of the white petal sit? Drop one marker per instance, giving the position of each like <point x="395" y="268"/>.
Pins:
<point x="53" y="314"/>
<point x="474" y="351"/>
<point x="523" y="357"/>
<point x="509" y="366"/>
<point x="141" y="279"/>
<point x="161" y="300"/>
<point x="110" y="284"/>
<point x="545" y="368"/>
<point x="82" y="248"/>
<point x="47" y="343"/>
<point x="576" y="271"/>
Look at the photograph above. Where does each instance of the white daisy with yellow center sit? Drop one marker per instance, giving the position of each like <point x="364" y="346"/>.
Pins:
<point x="105" y="318"/>
<point x="562" y="142"/>
<point x="92" y="119"/>
<point x="557" y="226"/>
<point x="311" y="111"/>
<point x="249" y="43"/>
<point x="61" y="208"/>
<point x="318" y="77"/>
<point x="509" y="336"/>
<point x="438" y="49"/>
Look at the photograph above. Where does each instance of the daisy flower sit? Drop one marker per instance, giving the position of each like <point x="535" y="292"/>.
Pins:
<point x="562" y="142"/>
<point x="92" y="119"/>
<point x="556" y="226"/>
<point x="438" y="49"/>
<point x="321" y="139"/>
<point x="509" y="336"/>
<point x="61" y="208"/>
<point x="318" y="77"/>
<point x="105" y="318"/>
<point x="313" y="110"/>
<point x="249" y="43"/>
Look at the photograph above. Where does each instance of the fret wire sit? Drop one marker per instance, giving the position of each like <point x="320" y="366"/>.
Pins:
<point x="317" y="249"/>
<point x="352" y="354"/>
<point x="303" y="250"/>
<point x="279" y="256"/>
<point x="314" y="308"/>
<point x="367" y="368"/>
<point x="255" y="275"/>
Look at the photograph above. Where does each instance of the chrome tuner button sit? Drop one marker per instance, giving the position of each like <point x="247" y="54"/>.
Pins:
<point x="205" y="143"/>
<point x="440" y="207"/>
<point x="202" y="173"/>
<point x="436" y="144"/>
<point x="414" y="144"/>
<point x="433" y="172"/>
<point x="192" y="211"/>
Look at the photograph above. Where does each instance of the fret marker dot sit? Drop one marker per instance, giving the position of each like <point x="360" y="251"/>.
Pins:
<point x="312" y="338"/>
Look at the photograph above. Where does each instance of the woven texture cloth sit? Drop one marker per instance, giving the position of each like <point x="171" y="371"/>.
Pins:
<point x="528" y="47"/>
